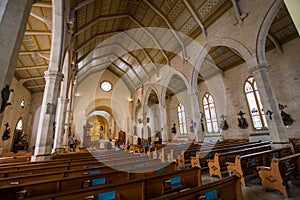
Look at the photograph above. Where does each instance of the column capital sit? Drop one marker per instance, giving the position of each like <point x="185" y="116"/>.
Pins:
<point x="258" y="68"/>
<point x="50" y="74"/>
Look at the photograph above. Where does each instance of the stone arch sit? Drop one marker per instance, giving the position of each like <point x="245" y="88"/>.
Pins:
<point x="242" y="50"/>
<point x="260" y="54"/>
<point x="147" y="94"/>
<point x="167" y="81"/>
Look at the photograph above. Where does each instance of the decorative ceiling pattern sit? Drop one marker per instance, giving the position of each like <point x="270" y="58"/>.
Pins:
<point x="95" y="21"/>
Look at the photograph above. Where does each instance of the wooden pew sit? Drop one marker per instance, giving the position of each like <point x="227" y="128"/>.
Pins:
<point x="246" y="164"/>
<point x="208" y="153"/>
<point x="217" y="165"/>
<point x="37" y="186"/>
<point x="228" y="188"/>
<point x="68" y="164"/>
<point x="84" y="169"/>
<point x="296" y="144"/>
<point x="144" y="188"/>
<point x="280" y="172"/>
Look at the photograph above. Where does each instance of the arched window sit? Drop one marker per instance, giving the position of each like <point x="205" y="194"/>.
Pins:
<point x="258" y="116"/>
<point x="210" y="114"/>
<point x="19" y="126"/>
<point x="182" y="119"/>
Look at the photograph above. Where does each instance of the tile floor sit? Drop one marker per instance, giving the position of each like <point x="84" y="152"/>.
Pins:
<point x="254" y="191"/>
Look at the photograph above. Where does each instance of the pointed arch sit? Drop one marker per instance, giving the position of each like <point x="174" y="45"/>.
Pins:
<point x="260" y="54"/>
<point x="237" y="46"/>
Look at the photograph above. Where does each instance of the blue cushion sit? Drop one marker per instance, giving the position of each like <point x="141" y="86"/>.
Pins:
<point x="91" y="166"/>
<point x="98" y="181"/>
<point x="253" y="161"/>
<point x="95" y="172"/>
<point x="140" y="165"/>
<point x="175" y="180"/>
<point x="107" y="195"/>
<point x="160" y="171"/>
<point x="211" y="195"/>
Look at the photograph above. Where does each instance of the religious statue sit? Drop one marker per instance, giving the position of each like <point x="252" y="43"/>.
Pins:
<point x="174" y="128"/>
<point x="6" y="133"/>
<point x="286" y="118"/>
<point x="242" y="121"/>
<point x="5" y="97"/>
<point x="223" y="125"/>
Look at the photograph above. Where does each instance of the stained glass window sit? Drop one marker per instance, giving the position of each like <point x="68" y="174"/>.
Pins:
<point x="258" y="116"/>
<point x="210" y="114"/>
<point x="182" y="119"/>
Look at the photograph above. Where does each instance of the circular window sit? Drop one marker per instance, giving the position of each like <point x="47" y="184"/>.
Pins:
<point x="106" y="86"/>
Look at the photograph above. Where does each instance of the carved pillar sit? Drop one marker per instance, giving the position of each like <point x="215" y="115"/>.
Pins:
<point x="163" y="119"/>
<point x="13" y="19"/>
<point x="44" y="140"/>
<point x="195" y="115"/>
<point x="269" y="102"/>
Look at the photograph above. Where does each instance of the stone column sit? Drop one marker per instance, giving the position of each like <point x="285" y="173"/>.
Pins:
<point x="269" y="102"/>
<point x="195" y="115"/>
<point x="60" y="121"/>
<point x="13" y="19"/>
<point x="44" y="140"/>
<point x="145" y="134"/>
<point x="163" y="120"/>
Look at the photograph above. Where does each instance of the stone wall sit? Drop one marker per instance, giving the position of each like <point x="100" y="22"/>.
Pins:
<point x="14" y="112"/>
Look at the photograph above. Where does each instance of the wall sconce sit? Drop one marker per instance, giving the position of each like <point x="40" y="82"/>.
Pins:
<point x="6" y="95"/>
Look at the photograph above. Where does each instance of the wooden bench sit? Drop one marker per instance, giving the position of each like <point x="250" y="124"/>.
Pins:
<point x="39" y="184"/>
<point x="84" y="168"/>
<point x="296" y="144"/>
<point x="280" y="172"/>
<point x="228" y="188"/>
<point x="186" y="157"/>
<point x="217" y="165"/>
<point x="246" y="164"/>
<point x="54" y="167"/>
<point x="144" y="188"/>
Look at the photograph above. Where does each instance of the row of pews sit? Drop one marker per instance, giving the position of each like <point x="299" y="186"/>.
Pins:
<point x="169" y="172"/>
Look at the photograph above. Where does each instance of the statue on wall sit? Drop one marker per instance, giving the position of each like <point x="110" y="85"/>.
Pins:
<point x="286" y="118"/>
<point x="242" y="121"/>
<point x="5" y="97"/>
<point x="223" y="125"/>
<point x="173" y="130"/>
<point x="6" y="133"/>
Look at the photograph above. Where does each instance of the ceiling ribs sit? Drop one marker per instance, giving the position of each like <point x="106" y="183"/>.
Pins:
<point x="276" y="43"/>
<point x="42" y="19"/>
<point x="171" y="27"/>
<point x="38" y="33"/>
<point x="31" y="67"/>
<point x="126" y="63"/>
<point x="196" y="16"/>
<point x="23" y="80"/>
<point x="42" y="5"/>
<point x="123" y="16"/>
<point x="145" y="52"/>
<point x="125" y="73"/>
<point x="36" y="86"/>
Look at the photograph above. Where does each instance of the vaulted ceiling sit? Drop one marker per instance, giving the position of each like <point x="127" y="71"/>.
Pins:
<point x="111" y="34"/>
